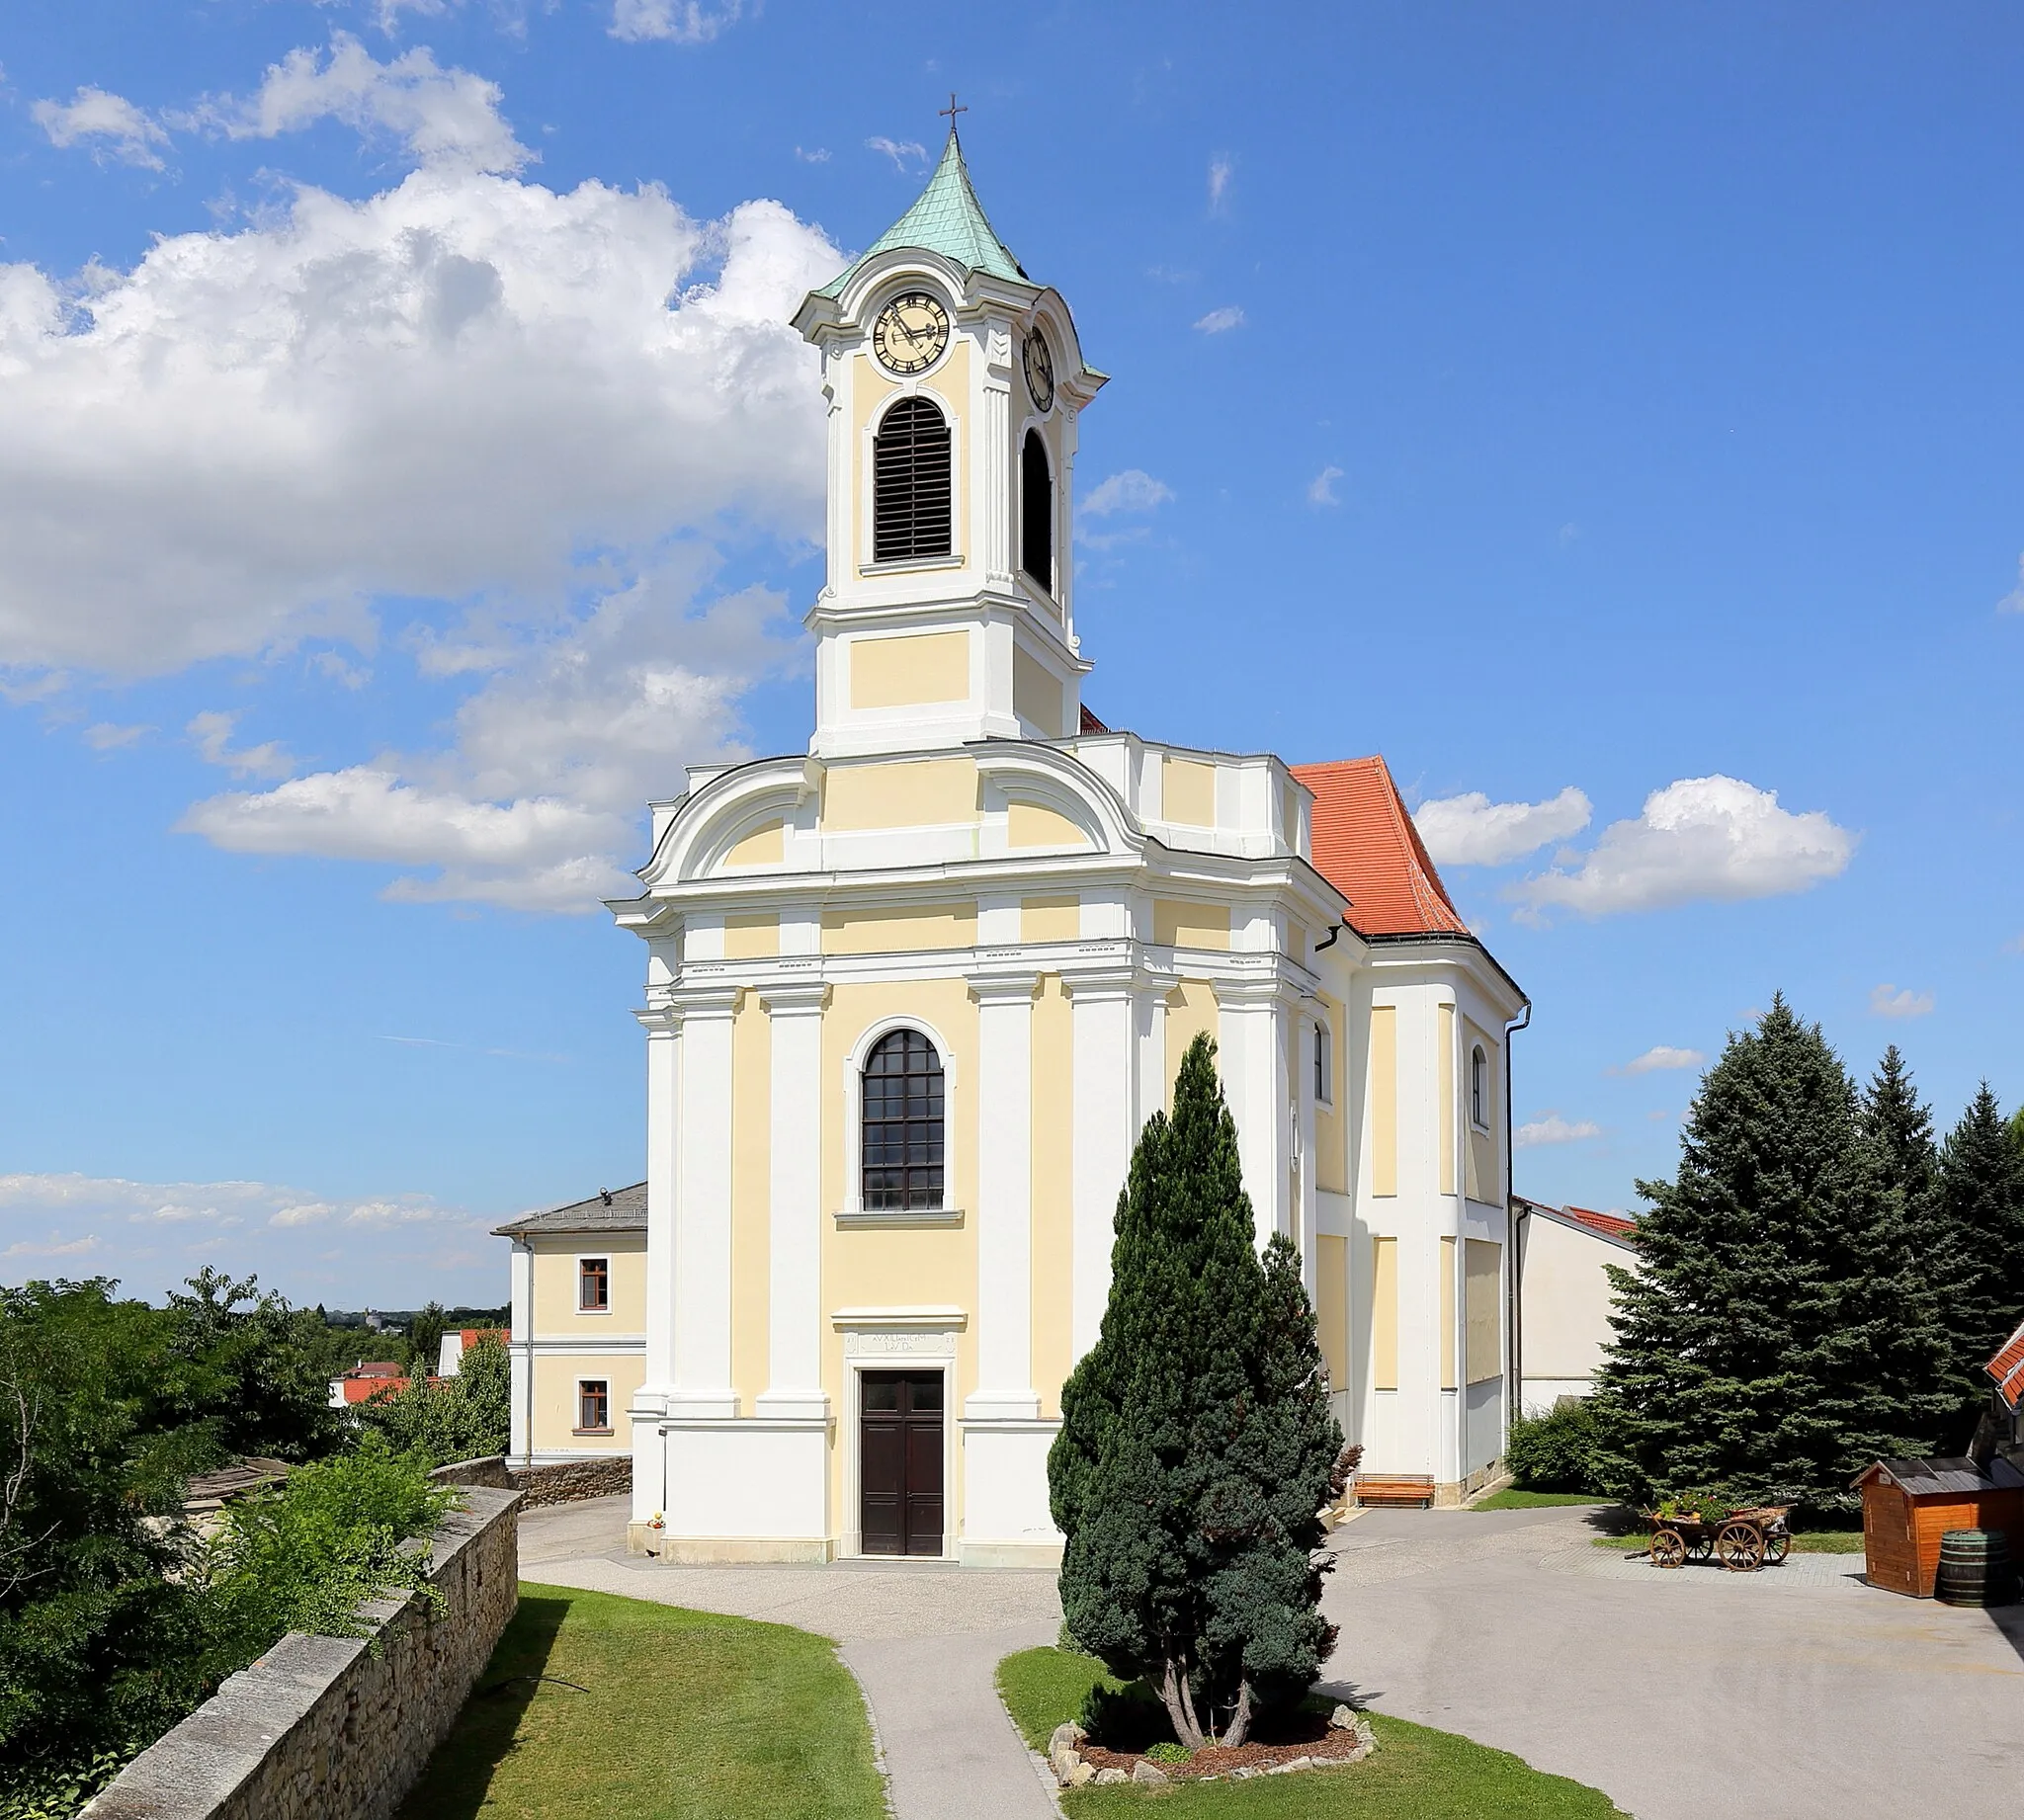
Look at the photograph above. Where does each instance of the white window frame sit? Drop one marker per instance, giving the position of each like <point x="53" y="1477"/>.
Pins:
<point x="611" y="1426"/>
<point x="853" y="1211"/>
<point x="597" y="1257"/>
<point x="1479" y="1087"/>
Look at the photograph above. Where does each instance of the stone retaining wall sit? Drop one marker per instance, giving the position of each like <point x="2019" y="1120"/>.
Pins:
<point x="571" y="1481"/>
<point x="322" y="1728"/>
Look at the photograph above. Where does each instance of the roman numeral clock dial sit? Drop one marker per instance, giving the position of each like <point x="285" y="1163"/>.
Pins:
<point x="910" y="333"/>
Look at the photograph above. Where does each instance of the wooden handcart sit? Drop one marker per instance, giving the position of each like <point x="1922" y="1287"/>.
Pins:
<point x="1742" y="1542"/>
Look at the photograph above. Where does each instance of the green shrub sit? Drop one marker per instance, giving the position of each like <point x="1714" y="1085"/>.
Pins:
<point x="1168" y="1752"/>
<point x="465" y="1417"/>
<point x="1561" y="1450"/>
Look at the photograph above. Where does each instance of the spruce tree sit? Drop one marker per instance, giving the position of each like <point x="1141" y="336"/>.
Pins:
<point x="1761" y="1346"/>
<point x="1982" y="1202"/>
<point x="1197" y="1447"/>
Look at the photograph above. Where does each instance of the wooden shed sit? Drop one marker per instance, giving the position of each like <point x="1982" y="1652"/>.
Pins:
<point x="1907" y="1505"/>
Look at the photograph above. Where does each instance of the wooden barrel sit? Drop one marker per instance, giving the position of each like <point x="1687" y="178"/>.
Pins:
<point x="1975" y="1569"/>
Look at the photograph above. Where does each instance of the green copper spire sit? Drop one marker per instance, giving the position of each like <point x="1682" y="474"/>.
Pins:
<point x="946" y="219"/>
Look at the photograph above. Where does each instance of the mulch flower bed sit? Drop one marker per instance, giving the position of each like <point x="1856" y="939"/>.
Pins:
<point x="1302" y="1737"/>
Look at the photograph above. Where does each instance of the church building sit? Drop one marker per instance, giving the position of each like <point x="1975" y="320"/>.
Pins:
<point x="911" y="994"/>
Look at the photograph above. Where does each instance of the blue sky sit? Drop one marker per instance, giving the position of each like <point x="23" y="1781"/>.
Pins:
<point x="405" y="471"/>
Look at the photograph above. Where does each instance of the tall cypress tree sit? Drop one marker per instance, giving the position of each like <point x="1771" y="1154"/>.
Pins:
<point x="1982" y="1202"/>
<point x="1196" y="1445"/>
<point x="1761" y="1344"/>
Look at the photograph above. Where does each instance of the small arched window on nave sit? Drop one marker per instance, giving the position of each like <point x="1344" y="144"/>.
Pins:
<point x="1478" y="1088"/>
<point x="1037" y="512"/>
<point x="911" y="483"/>
<point x="902" y="1123"/>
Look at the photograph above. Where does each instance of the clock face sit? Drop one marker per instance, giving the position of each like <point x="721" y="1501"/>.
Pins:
<point x="1039" y="370"/>
<point x="910" y="333"/>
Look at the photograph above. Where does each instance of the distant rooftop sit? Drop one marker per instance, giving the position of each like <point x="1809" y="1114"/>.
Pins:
<point x="619" y="1210"/>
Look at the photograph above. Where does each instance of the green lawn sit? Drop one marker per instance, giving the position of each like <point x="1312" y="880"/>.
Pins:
<point x="1417" y="1774"/>
<point x="619" y="1709"/>
<point x="1512" y="1498"/>
<point x="1806" y="1541"/>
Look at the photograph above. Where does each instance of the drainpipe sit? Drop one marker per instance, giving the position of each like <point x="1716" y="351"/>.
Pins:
<point x="1514" y="1224"/>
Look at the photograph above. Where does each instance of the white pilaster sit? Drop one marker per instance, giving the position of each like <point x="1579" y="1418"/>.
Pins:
<point x="1148" y="1017"/>
<point x="520" y="1344"/>
<point x="649" y="1401"/>
<point x="1004" y="1237"/>
<point x="793" y="1253"/>
<point x="1251" y="1057"/>
<point x="1105" y="1098"/>
<point x="703" y="1209"/>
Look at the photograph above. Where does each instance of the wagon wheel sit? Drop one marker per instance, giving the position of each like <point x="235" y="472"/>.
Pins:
<point x="1668" y="1548"/>
<point x="1702" y="1547"/>
<point x="1777" y="1545"/>
<point x="1742" y="1548"/>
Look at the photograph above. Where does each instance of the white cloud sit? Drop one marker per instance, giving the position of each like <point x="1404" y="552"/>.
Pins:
<point x="1553" y="1129"/>
<point x="1219" y="183"/>
<point x="902" y="152"/>
<point x="214" y="1203"/>
<point x="109" y="123"/>
<point x="820" y="155"/>
<point x="680" y="22"/>
<point x="55" y="1246"/>
<point x="443" y="116"/>
<point x="1321" y="489"/>
<point x="1699" y="839"/>
<point x="1471" y="830"/>
<point x="1131" y="490"/>
<point x="210" y="733"/>
<point x="2013" y="602"/>
<point x="1890" y="1001"/>
<point x="1221" y="321"/>
<point x="106" y="737"/>
<point x="1661" y="1056"/>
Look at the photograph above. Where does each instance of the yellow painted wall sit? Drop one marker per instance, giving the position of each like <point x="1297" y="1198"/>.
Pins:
<point x="1037" y="694"/>
<point x="1331" y="1306"/>
<point x="1448" y="1314"/>
<point x="1482" y="1309"/>
<point x="1187" y="791"/>
<point x="552" y="1401"/>
<point x="751" y="938"/>
<point x="1331" y="1151"/>
<point x="1383" y="1099"/>
<point x="1177" y="923"/>
<point x="1050" y="919"/>
<point x="554" y="1283"/>
<point x="1385" y="1314"/>
<point x="751" y="1177"/>
<point x="890" y="931"/>
<point x="1445" y="1057"/>
<point x="927" y="793"/>
<point x="1191" y="1011"/>
<point x="915" y="1267"/>
<point x="1033" y="824"/>
<point x="1053" y="1122"/>
<point x="911" y="669"/>
<point x="766" y="845"/>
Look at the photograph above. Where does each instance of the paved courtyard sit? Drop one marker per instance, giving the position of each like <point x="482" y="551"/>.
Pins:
<point x="1796" y="1694"/>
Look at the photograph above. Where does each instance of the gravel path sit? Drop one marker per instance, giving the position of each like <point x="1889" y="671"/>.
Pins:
<point x="1796" y="1694"/>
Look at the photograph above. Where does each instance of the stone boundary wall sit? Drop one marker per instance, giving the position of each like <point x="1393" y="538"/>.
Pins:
<point x="568" y="1481"/>
<point x="323" y="1728"/>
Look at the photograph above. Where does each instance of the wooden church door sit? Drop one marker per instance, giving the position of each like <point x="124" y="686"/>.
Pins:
<point x="899" y="1462"/>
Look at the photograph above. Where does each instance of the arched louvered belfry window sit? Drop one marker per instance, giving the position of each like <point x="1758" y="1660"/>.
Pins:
<point x="1036" y="511"/>
<point x="910" y="475"/>
<point x="902" y="1131"/>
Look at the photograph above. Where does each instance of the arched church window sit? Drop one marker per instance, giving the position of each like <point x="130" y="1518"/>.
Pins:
<point x="903" y="1123"/>
<point x="910" y="515"/>
<point x="1479" y="1087"/>
<point x="1037" y="512"/>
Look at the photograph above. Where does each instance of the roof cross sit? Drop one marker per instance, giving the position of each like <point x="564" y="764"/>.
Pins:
<point x="950" y="112"/>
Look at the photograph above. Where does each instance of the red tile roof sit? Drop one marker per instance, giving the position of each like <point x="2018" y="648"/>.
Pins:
<point x="355" y="1389"/>
<point x="1610" y="1226"/>
<point x="2007" y="1369"/>
<point x="1366" y="846"/>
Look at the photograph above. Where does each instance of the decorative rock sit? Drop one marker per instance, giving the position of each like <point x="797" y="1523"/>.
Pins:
<point x="1148" y="1773"/>
<point x="1063" y="1761"/>
<point x="1067" y="1735"/>
<point x="1079" y="1774"/>
<point x="1286" y="1769"/>
<point x="1242" y="1773"/>
<point x="1107" y="1778"/>
<point x="1343" y="1718"/>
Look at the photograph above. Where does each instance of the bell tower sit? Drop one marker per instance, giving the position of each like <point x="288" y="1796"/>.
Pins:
<point x="953" y="385"/>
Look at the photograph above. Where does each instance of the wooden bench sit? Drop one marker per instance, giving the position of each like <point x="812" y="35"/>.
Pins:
<point x="1398" y="1488"/>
